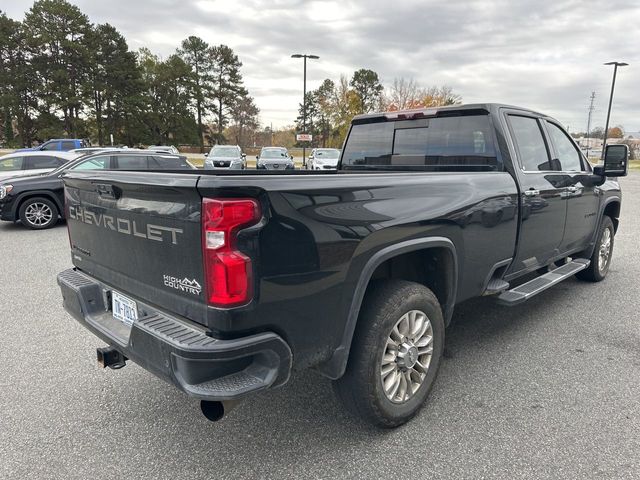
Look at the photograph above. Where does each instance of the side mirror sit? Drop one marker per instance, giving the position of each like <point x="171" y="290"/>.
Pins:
<point x="291" y="157"/>
<point x="616" y="161"/>
<point x="257" y="157"/>
<point x="244" y="156"/>
<point x="206" y="154"/>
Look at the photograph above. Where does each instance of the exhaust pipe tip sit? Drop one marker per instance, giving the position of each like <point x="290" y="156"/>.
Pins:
<point x="215" y="411"/>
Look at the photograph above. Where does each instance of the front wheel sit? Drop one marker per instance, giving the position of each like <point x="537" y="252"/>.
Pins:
<point x="395" y="355"/>
<point x="38" y="213"/>
<point x="602" y="253"/>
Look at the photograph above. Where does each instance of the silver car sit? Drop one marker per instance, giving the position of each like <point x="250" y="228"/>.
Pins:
<point x="274" y="158"/>
<point x="324" y="159"/>
<point x="20" y="164"/>
<point x="225" y="157"/>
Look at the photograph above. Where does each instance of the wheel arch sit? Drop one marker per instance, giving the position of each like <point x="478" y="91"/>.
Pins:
<point x="612" y="210"/>
<point x="35" y="194"/>
<point x="436" y="251"/>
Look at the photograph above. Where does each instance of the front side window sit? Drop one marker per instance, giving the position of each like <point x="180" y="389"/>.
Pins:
<point x="96" y="163"/>
<point x="11" y="164"/>
<point x="51" y="146"/>
<point x="567" y="152"/>
<point x="532" y="149"/>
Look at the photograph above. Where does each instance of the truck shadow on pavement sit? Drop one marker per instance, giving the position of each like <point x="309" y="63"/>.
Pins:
<point x="305" y="414"/>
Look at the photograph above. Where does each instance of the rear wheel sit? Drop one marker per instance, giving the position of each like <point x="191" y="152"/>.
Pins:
<point x="395" y="355"/>
<point x="602" y="253"/>
<point x="38" y="213"/>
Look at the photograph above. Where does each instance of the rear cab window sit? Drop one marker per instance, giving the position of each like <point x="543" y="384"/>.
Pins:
<point x="451" y="143"/>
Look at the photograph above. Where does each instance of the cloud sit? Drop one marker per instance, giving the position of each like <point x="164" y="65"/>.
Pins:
<point x="546" y="54"/>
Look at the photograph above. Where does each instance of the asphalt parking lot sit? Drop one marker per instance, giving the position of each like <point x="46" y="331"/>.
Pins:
<point x="549" y="389"/>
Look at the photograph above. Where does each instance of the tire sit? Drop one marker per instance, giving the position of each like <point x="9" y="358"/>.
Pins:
<point x="598" y="269"/>
<point x="38" y="213"/>
<point x="361" y="388"/>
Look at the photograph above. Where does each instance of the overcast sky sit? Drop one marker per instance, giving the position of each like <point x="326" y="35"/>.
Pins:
<point x="545" y="54"/>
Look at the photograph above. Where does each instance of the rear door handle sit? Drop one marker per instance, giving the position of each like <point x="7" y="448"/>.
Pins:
<point x="531" y="193"/>
<point x="572" y="189"/>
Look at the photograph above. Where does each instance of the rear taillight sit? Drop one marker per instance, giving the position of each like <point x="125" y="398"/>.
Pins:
<point x="228" y="272"/>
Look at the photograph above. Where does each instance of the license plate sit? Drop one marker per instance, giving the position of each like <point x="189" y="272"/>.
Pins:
<point x="124" y="309"/>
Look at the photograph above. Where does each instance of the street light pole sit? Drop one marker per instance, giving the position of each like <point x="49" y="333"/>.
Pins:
<point x="613" y="85"/>
<point x="304" y="100"/>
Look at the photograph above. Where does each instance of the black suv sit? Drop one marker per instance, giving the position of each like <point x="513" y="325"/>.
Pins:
<point x="38" y="201"/>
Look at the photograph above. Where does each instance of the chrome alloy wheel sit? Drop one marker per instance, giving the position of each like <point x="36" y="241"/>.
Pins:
<point x="407" y="356"/>
<point x="605" y="250"/>
<point x="38" y="214"/>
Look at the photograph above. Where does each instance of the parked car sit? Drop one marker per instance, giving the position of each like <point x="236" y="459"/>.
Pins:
<point x="19" y="164"/>
<point x="355" y="275"/>
<point x="324" y="159"/>
<point x="164" y="149"/>
<point x="274" y="158"/>
<point x="225" y="157"/>
<point x="59" y="145"/>
<point x="38" y="201"/>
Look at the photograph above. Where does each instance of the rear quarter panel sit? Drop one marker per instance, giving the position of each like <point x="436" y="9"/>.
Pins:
<point x="321" y="231"/>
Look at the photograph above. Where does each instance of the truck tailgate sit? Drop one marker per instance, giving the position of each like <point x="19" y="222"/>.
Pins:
<point x="141" y="234"/>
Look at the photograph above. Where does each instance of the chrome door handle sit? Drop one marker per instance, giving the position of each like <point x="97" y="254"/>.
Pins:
<point x="531" y="193"/>
<point x="572" y="189"/>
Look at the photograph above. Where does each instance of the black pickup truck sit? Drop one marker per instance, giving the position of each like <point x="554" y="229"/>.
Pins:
<point x="222" y="283"/>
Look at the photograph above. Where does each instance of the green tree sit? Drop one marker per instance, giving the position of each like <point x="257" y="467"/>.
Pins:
<point x="227" y="84"/>
<point x="194" y="51"/>
<point x="57" y="39"/>
<point x="368" y="89"/>
<point x="167" y="99"/>
<point x="113" y="75"/>
<point x="18" y="83"/>
<point x="244" y="113"/>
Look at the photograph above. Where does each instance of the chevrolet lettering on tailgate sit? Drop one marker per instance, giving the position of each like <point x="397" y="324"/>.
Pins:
<point x="125" y="226"/>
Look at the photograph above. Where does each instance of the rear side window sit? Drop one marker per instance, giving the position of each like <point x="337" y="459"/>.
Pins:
<point x="132" y="162"/>
<point x="67" y="145"/>
<point x="532" y="149"/>
<point x="168" y="163"/>
<point x="448" y="143"/>
<point x="11" y="164"/>
<point x="568" y="154"/>
<point x="42" y="161"/>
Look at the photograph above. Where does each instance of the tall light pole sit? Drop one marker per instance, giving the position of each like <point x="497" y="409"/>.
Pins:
<point x="304" y="100"/>
<point x="613" y="84"/>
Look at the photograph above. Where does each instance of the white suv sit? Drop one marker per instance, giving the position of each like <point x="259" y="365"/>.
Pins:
<point x="324" y="159"/>
<point x="20" y="164"/>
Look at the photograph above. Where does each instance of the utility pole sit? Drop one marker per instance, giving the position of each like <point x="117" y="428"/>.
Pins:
<point x="304" y="100"/>
<point x="591" y="109"/>
<point x="613" y="85"/>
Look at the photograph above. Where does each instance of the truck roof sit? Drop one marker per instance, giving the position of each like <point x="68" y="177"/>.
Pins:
<point x="436" y="111"/>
